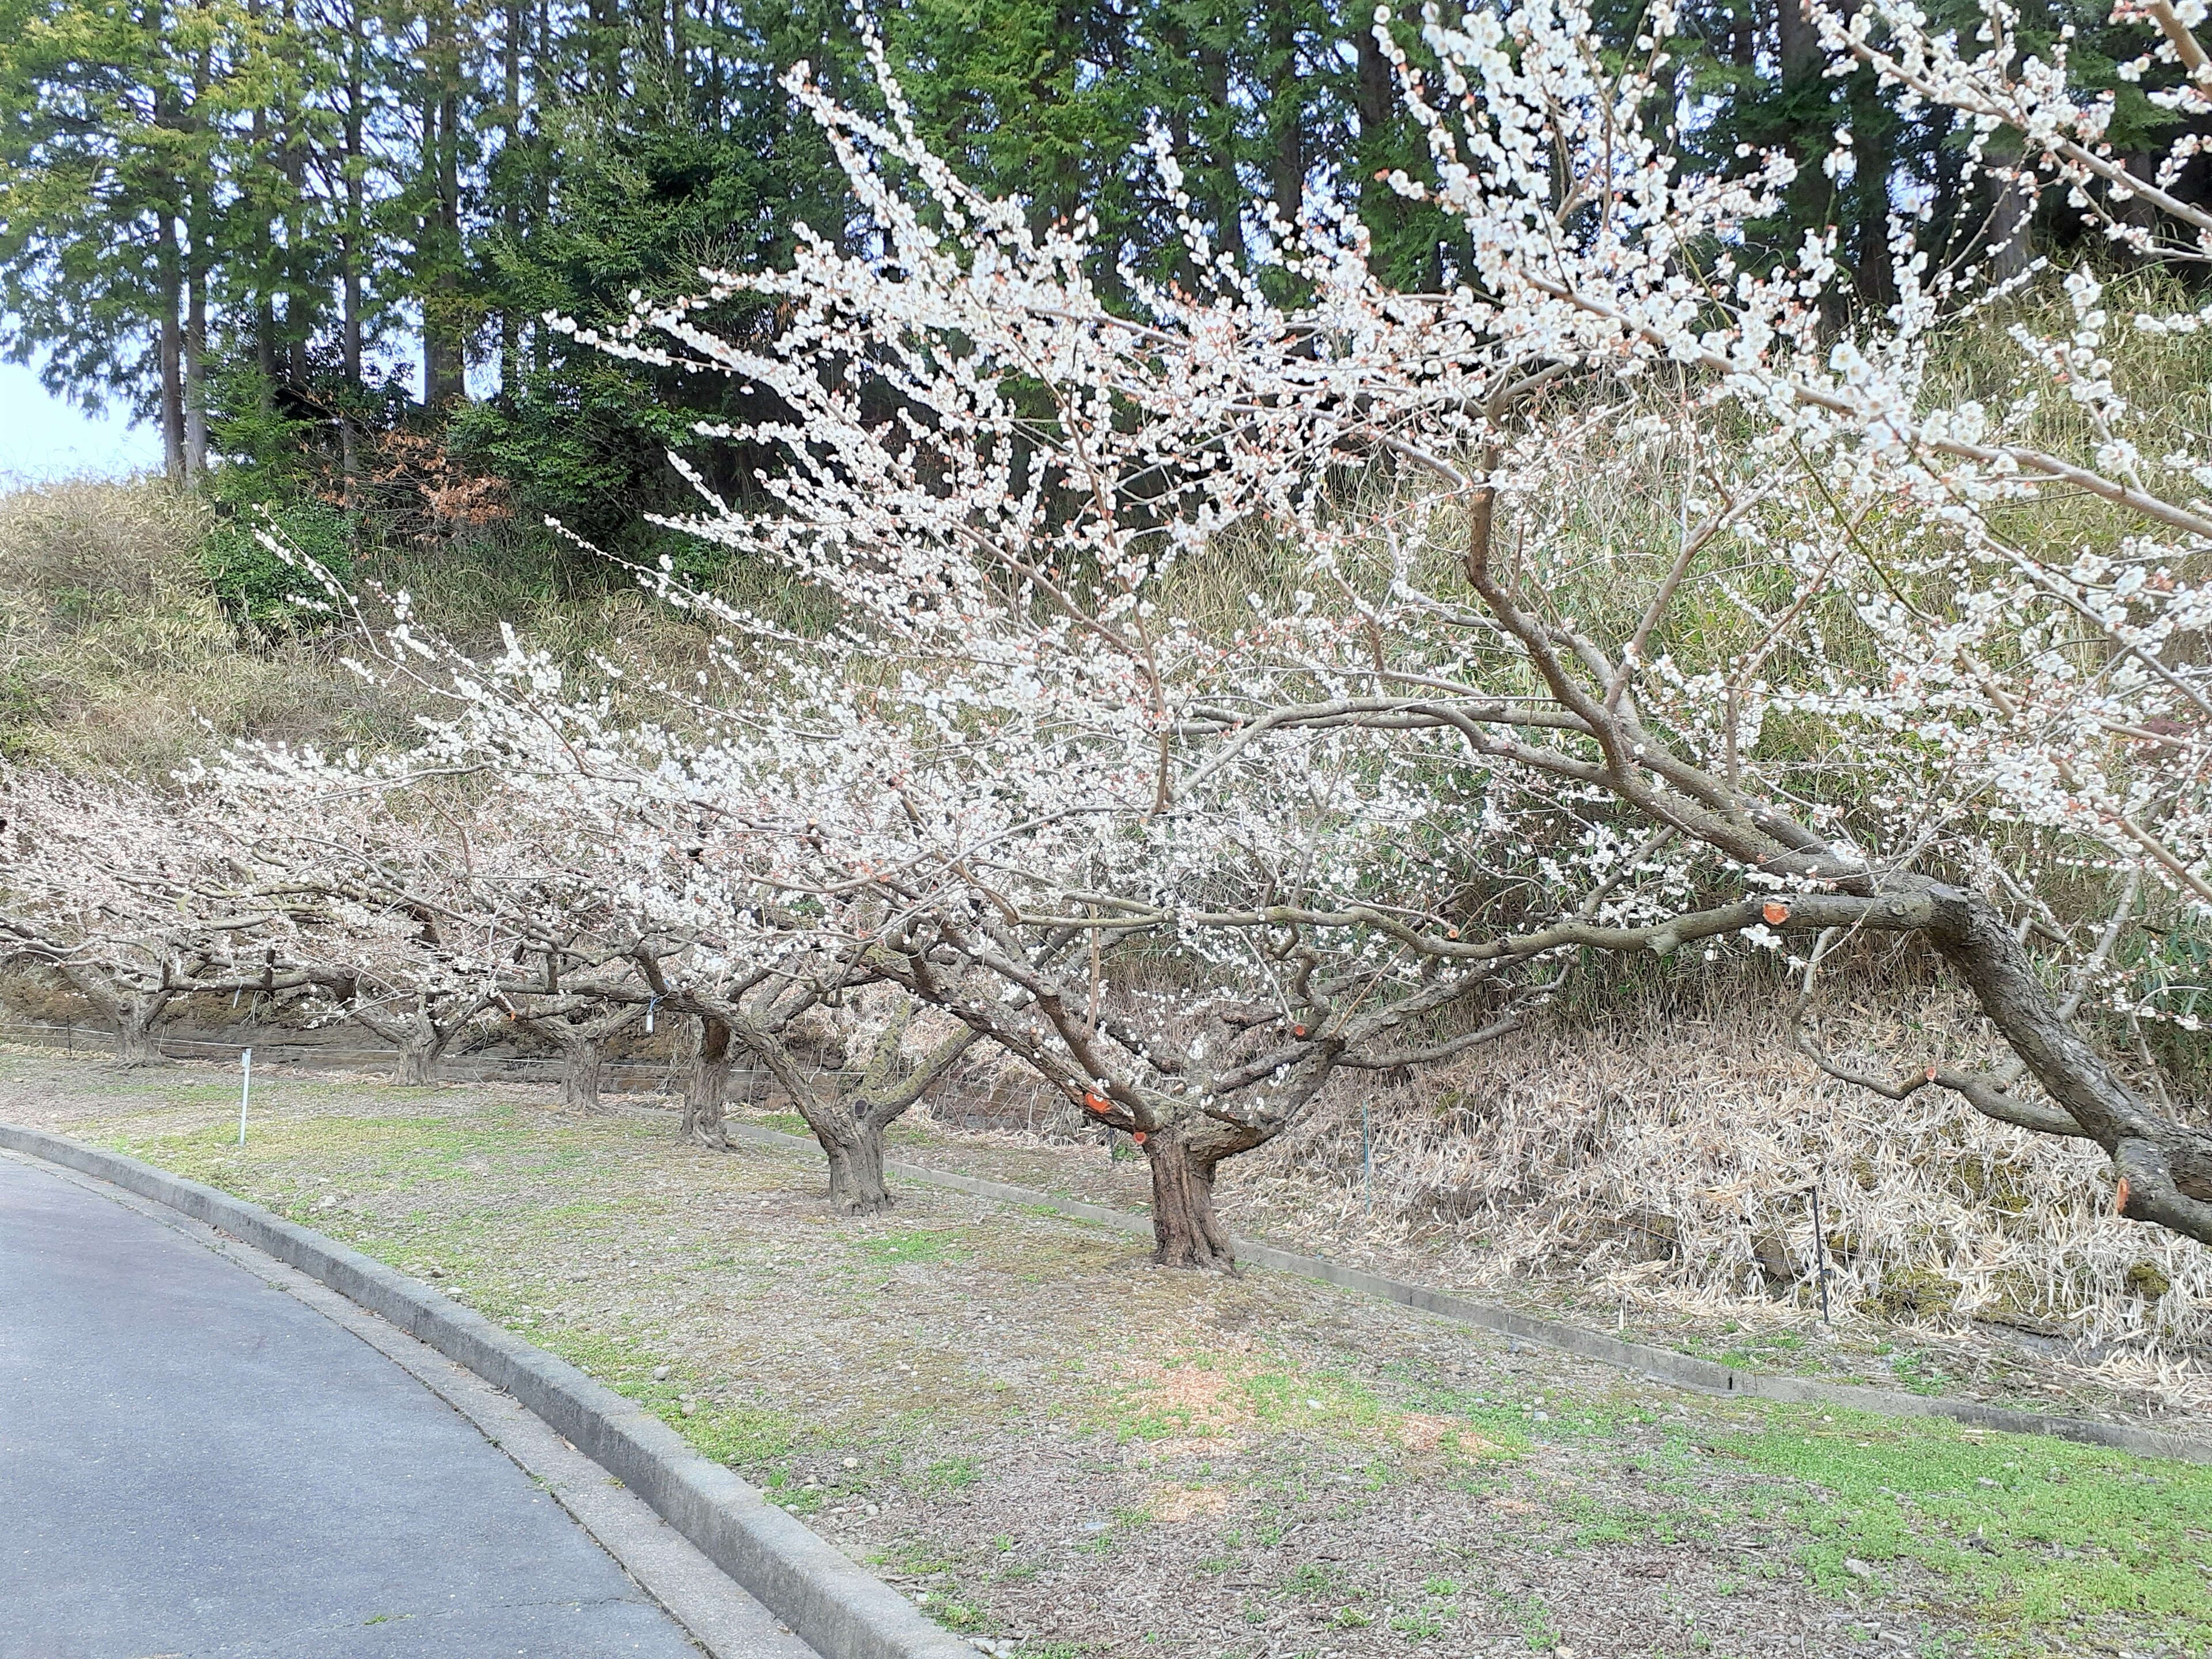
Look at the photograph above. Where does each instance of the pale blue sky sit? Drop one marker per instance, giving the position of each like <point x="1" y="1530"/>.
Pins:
<point x="43" y="437"/>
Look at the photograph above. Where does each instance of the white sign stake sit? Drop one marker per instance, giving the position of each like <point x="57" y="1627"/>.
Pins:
<point x="245" y="1093"/>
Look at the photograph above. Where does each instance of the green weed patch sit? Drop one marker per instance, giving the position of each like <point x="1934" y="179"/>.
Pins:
<point x="2033" y="1533"/>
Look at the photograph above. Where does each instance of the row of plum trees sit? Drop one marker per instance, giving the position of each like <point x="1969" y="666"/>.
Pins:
<point x="1292" y="673"/>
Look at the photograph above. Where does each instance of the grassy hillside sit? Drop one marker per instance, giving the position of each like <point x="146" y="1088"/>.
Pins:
<point x="124" y="647"/>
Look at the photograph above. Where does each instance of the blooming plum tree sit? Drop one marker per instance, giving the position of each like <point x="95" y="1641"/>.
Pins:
<point x="113" y="889"/>
<point x="407" y="908"/>
<point x="1864" y="656"/>
<point x="1289" y="673"/>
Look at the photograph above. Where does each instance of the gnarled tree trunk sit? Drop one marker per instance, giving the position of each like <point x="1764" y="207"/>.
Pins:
<point x="136" y="1044"/>
<point x="707" y="1084"/>
<point x="848" y="1114"/>
<point x="579" y="1035"/>
<point x="419" y="1036"/>
<point x="2163" y="1168"/>
<point x="135" y="1012"/>
<point x="581" y="1063"/>
<point x="855" y="1151"/>
<point x="1185" y="1231"/>
<point x="419" y="1052"/>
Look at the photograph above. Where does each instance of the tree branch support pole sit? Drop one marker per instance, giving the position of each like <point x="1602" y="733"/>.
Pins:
<point x="1367" y="1155"/>
<point x="1820" y="1253"/>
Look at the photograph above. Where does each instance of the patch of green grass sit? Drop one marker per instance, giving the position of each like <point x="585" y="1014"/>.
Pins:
<point x="1917" y="1373"/>
<point x="743" y="1436"/>
<point x="399" y="1153"/>
<point x="952" y="1473"/>
<point x="1510" y="1424"/>
<point x="1307" y="1399"/>
<point x="797" y="1500"/>
<point x="1597" y="1524"/>
<point x="1133" y="1412"/>
<point x="2036" y="1532"/>
<point x="1533" y="1618"/>
<point x="896" y="1249"/>
<point x="956" y="1613"/>
<point x="746" y="1438"/>
<point x="918" y="1559"/>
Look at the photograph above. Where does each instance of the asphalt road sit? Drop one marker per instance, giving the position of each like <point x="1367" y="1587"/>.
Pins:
<point x="192" y="1463"/>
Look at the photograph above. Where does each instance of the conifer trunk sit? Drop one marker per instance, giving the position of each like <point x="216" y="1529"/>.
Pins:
<point x="195" y="353"/>
<point x="349" y="263"/>
<point x="169" y="269"/>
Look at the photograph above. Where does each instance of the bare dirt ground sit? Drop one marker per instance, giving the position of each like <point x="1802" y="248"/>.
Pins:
<point x="1061" y="1450"/>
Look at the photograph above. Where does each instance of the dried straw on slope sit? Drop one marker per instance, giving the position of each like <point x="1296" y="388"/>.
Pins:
<point x="1673" y="1162"/>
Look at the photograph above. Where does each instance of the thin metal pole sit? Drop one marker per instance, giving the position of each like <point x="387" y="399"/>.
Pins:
<point x="245" y="1093"/>
<point x="1820" y="1253"/>
<point x="1367" y="1155"/>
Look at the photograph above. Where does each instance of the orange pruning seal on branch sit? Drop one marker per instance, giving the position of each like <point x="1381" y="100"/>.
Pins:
<point x="1775" y="911"/>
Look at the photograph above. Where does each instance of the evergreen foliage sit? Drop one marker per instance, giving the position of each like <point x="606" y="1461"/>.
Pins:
<point x="339" y="227"/>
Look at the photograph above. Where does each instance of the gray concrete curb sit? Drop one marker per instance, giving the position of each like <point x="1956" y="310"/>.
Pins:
<point x="842" y="1611"/>
<point x="1660" y="1364"/>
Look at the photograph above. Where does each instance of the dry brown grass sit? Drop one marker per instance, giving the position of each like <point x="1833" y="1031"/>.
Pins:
<point x="1658" y="1163"/>
<point x="115" y="655"/>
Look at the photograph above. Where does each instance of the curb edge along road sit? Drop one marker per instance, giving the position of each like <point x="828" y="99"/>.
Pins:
<point x="1659" y="1364"/>
<point x="842" y="1612"/>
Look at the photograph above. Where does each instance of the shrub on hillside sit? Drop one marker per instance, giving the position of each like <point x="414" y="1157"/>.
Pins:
<point x="258" y="591"/>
